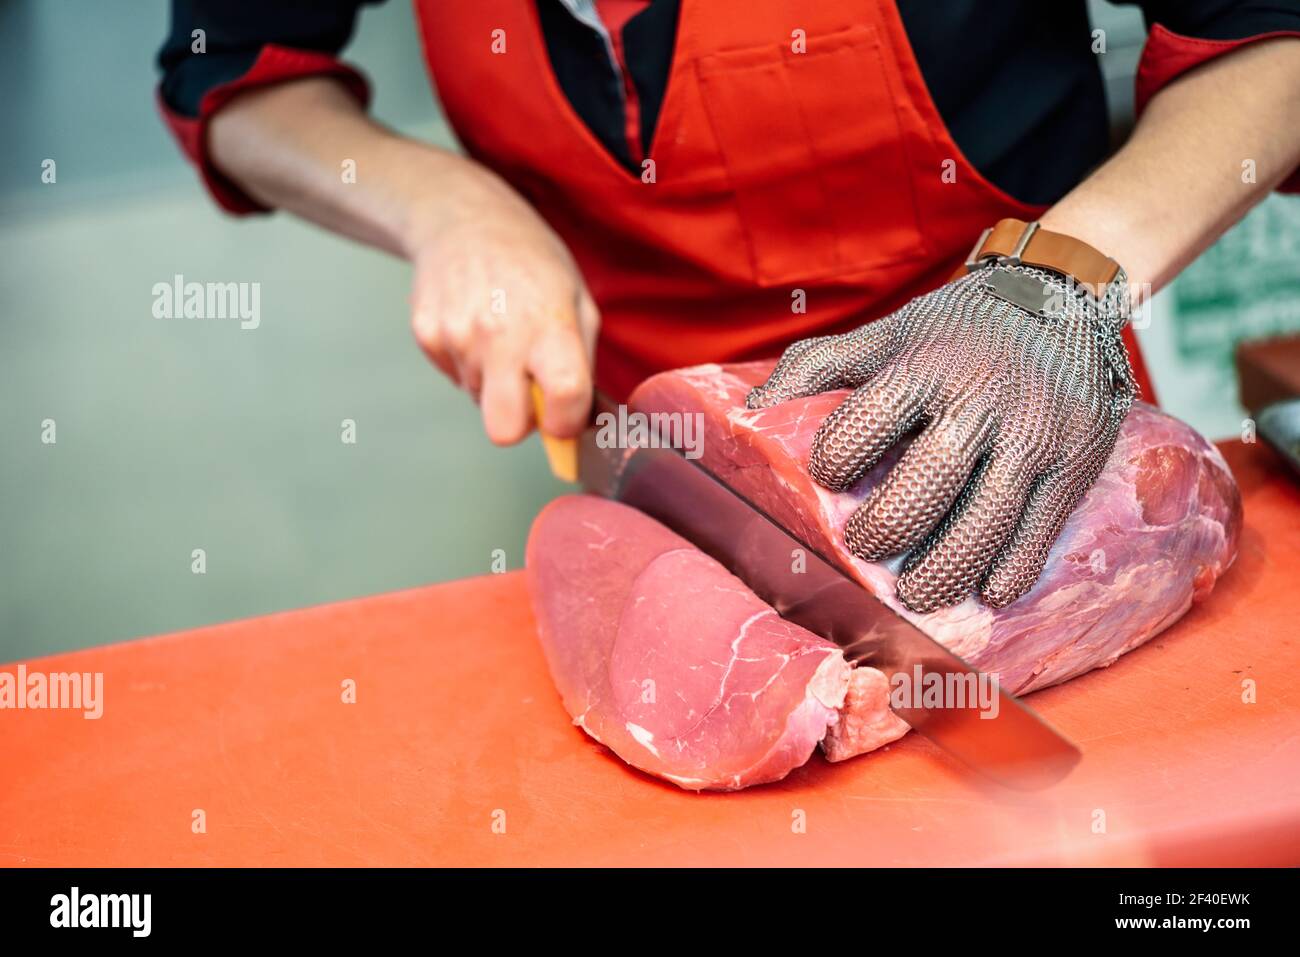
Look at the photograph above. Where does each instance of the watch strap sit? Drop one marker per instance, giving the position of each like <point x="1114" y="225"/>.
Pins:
<point x="1014" y="242"/>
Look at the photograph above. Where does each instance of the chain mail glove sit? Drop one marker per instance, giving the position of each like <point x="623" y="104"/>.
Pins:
<point x="1019" y="411"/>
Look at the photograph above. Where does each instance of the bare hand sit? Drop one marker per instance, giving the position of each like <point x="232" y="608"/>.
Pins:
<point x="497" y="302"/>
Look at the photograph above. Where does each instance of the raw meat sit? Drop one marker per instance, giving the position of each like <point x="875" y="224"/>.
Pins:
<point x="673" y="663"/>
<point x="1151" y="537"/>
<point x="667" y="658"/>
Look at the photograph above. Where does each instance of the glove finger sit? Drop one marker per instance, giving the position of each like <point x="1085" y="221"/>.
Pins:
<point x="1016" y="569"/>
<point x="920" y="489"/>
<point x="1052" y="500"/>
<point x="776" y="389"/>
<point x="958" y="555"/>
<point x="866" y="425"/>
<point x="827" y="362"/>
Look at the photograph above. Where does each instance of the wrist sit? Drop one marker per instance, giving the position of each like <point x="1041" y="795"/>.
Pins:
<point x="1014" y="244"/>
<point x="449" y="192"/>
<point x="1110" y="234"/>
<point x="1054" y="276"/>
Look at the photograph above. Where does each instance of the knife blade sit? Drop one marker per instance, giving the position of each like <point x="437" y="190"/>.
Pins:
<point x="982" y="726"/>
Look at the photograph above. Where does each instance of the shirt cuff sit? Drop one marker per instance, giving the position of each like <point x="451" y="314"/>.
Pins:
<point x="274" y="64"/>
<point x="1168" y="55"/>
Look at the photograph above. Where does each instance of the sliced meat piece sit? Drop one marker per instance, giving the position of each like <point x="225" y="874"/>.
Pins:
<point x="1151" y="537"/>
<point x="866" y="722"/>
<point x="667" y="658"/>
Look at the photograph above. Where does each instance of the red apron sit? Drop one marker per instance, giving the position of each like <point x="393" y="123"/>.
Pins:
<point x="780" y="177"/>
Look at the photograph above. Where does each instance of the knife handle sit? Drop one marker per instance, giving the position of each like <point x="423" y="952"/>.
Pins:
<point x="561" y="454"/>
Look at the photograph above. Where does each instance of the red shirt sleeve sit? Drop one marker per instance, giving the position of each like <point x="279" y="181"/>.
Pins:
<point x="1168" y="55"/>
<point x="274" y="64"/>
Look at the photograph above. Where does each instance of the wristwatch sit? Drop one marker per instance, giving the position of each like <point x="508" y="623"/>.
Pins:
<point x="1013" y="242"/>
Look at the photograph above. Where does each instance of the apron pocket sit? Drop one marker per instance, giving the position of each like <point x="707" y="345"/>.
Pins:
<point x="815" y="155"/>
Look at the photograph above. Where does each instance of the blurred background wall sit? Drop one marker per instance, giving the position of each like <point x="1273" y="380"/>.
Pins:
<point x="184" y="435"/>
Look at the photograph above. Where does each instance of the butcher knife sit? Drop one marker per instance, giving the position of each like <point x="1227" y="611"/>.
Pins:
<point x="991" y="733"/>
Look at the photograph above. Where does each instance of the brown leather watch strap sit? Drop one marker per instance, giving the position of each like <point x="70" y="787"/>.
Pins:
<point x="1015" y="241"/>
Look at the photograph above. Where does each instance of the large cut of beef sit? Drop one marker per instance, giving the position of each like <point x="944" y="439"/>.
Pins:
<point x="669" y="660"/>
<point x="666" y="657"/>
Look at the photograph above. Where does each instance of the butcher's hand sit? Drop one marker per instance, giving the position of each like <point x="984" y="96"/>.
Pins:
<point x="497" y="302"/>
<point x="1019" y="414"/>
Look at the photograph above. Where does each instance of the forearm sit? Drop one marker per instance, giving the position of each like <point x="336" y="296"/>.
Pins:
<point x="287" y="145"/>
<point x="1179" y="181"/>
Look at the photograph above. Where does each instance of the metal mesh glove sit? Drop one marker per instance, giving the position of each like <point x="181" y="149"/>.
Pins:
<point x="1020" y="412"/>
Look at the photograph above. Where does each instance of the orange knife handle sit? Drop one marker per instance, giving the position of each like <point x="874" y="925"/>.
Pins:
<point x="562" y="454"/>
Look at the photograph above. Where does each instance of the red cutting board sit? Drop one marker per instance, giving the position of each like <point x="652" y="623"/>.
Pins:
<point x="456" y="750"/>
